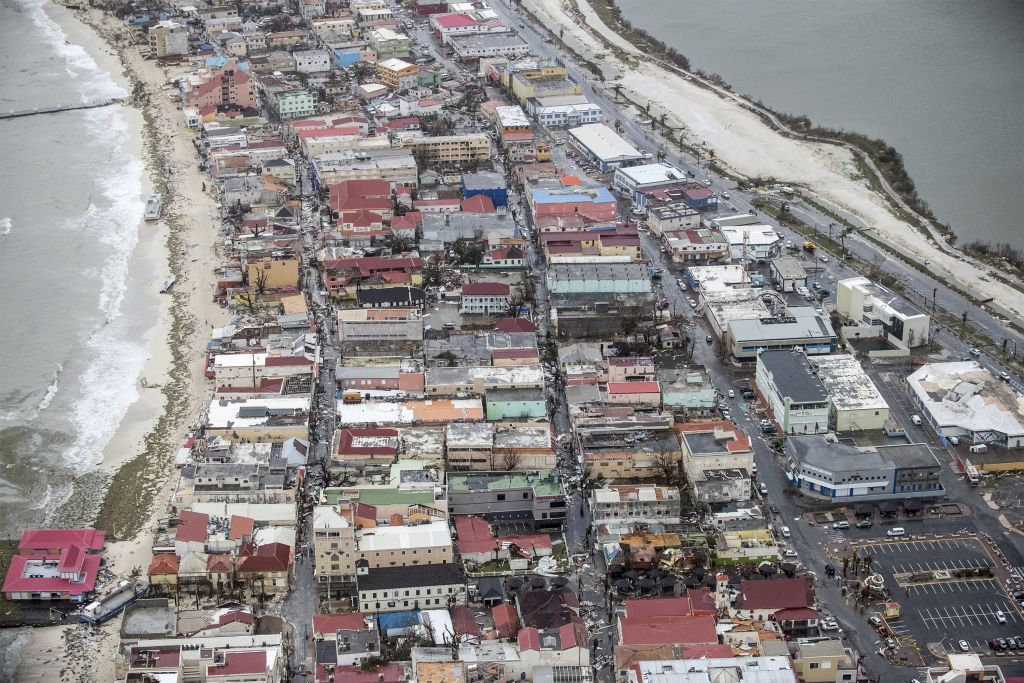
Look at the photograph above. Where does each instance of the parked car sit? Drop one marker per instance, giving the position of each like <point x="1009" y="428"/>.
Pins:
<point x="763" y="489"/>
<point x="708" y="339"/>
<point x="841" y="525"/>
<point x="823" y="258"/>
<point x="975" y="352"/>
<point x="732" y="394"/>
<point x="786" y="533"/>
<point x="1000" y="617"/>
<point x="864" y="524"/>
<point x="790" y="553"/>
<point x="964" y="646"/>
<point x="725" y="194"/>
<point x="1005" y="376"/>
<point x="896" y="531"/>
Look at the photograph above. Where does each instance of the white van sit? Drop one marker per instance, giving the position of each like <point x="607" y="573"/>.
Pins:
<point x="896" y="531"/>
<point x="785" y="532"/>
<point x="763" y="489"/>
<point x="916" y="419"/>
<point x="978" y="448"/>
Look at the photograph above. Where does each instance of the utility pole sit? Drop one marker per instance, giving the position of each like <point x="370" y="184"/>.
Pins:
<point x="935" y="292"/>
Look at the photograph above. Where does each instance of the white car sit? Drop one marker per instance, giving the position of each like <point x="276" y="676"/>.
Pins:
<point x="725" y="194"/>
<point x="964" y="646"/>
<point x="823" y="259"/>
<point x="790" y="553"/>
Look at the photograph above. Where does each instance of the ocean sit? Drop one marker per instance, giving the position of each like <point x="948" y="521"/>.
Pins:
<point x="76" y="298"/>
<point x="940" y="80"/>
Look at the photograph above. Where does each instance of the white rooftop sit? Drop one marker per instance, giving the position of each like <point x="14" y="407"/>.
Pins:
<point x="846" y="382"/>
<point x="755" y="235"/>
<point x="708" y="276"/>
<point x="965" y="395"/>
<point x="383" y="538"/>
<point x="395" y="64"/>
<point x="512" y="117"/>
<point x="716" y="670"/>
<point x="604" y="142"/>
<point x="239" y="360"/>
<point x="328" y="517"/>
<point x="652" y="174"/>
<point x="224" y="413"/>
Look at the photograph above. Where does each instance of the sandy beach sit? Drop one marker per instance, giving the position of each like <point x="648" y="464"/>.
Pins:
<point x="172" y="387"/>
<point x="744" y="143"/>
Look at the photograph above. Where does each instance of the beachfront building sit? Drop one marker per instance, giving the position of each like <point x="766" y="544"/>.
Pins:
<point x="749" y="237"/>
<point x="632" y="180"/>
<point x="230" y="86"/>
<point x="876" y="312"/>
<point x="564" y="110"/>
<point x="52" y="564"/>
<point x="259" y="420"/>
<point x="380" y="324"/>
<point x="604" y="147"/>
<point x="168" y="39"/>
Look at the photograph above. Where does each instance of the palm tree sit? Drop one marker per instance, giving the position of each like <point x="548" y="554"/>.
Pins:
<point x="661" y="120"/>
<point x="617" y="89"/>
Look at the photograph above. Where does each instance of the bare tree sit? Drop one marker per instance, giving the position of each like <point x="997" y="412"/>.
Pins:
<point x="248" y="299"/>
<point x="668" y="467"/>
<point x="260" y="279"/>
<point x="510" y="460"/>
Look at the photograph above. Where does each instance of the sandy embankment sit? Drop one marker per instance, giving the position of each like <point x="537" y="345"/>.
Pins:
<point x="184" y="243"/>
<point x="744" y="143"/>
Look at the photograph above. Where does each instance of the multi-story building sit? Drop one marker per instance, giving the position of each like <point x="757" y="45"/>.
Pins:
<point x="633" y="447"/>
<point x="168" y="38"/>
<point x="404" y="546"/>
<point x="389" y="44"/>
<point x="485" y="298"/>
<point x="293" y="104"/>
<point x="718" y="460"/>
<point x="228" y="86"/>
<point x="796" y="398"/>
<point x="397" y="166"/>
<point x="450" y="149"/>
<point x="539" y="79"/>
<point x="877" y="312"/>
<point x="478" y="45"/>
<point x="397" y="74"/>
<point x="380" y="324"/>
<point x="636" y="504"/>
<point x="401" y="589"/>
<point x="259" y="420"/>
<point x="564" y="110"/>
<point x="312" y="61"/>
<point x="604" y="147"/>
<point x="534" y="497"/>
<point x="333" y="547"/>
<point x="854" y="402"/>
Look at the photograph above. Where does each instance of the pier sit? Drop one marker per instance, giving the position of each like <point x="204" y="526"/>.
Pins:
<point x="56" y="109"/>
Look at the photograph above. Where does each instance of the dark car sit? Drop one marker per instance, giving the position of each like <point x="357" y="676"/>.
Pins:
<point x="748" y="393"/>
<point x="864" y="524"/>
<point x="994" y="645"/>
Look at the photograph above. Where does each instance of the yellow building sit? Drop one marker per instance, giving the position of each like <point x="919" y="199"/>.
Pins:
<point x="450" y="149"/>
<point x="274" y="272"/>
<point x="825" y="661"/>
<point x="540" y="81"/>
<point x="334" y="544"/>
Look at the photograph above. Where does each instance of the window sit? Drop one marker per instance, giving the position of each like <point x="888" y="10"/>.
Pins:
<point x="501" y="496"/>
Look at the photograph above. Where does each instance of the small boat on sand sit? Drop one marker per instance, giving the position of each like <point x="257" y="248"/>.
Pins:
<point x="167" y="285"/>
<point x="154" y="207"/>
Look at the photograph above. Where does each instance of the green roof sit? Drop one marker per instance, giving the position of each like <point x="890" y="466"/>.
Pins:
<point x="541" y="482"/>
<point x="384" y="497"/>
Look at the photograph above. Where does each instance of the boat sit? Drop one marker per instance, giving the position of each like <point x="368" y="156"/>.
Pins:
<point x="167" y="285"/>
<point x="115" y="602"/>
<point x="154" y="207"/>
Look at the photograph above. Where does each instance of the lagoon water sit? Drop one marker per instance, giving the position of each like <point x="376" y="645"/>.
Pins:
<point x="940" y="80"/>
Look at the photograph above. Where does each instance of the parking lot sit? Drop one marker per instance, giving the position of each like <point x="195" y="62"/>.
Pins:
<point x="947" y="612"/>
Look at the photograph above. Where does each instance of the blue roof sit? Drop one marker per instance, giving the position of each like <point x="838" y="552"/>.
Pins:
<point x="398" y="620"/>
<point x="593" y="195"/>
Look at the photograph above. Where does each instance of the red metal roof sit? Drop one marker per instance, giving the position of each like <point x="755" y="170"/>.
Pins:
<point x="17" y="582"/>
<point x="515" y="325"/>
<point x="775" y="594"/>
<point x="658" y="607"/>
<point x="668" y="631"/>
<point x="240" y="527"/>
<point x="509" y="354"/>
<point x="506" y="620"/>
<point x="54" y="539"/>
<point x="454" y="20"/>
<point x="464" y="620"/>
<point x="348" y="436"/>
<point x="272" y="557"/>
<point x="163" y="564"/>
<point x="324" y="624"/>
<point x="478" y="203"/>
<point x="389" y="673"/>
<point x="485" y="289"/>
<point x="634" y="388"/>
<point x="282" y="361"/>
<point x="239" y="663"/>
<point x="191" y="526"/>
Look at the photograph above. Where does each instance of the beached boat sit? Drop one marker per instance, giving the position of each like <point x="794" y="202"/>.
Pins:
<point x="115" y="602"/>
<point x="154" y="207"/>
<point x="167" y="285"/>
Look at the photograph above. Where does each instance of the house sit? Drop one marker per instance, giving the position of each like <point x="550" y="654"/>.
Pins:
<point x="360" y="448"/>
<point x="566" y="645"/>
<point x="485" y="298"/>
<point x="52" y="564"/>
<point x="824" y="661"/>
<point x="643" y="637"/>
<point x="594" y="203"/>
<point x="672" y="217"/>
<point x="689" y="245"/>
<point x="639" y="394"/>
<point x="396" y="589"/>
<point x="504" y="258"/>
<point x="506" y="620"/>
<point x="312" y="61"/>
<point x="796" y="398"/>
<point x="477" y="544"/>
<point x="190" y="533"/>
<point x="771" y="599"/>
<point x="268" y="567"/>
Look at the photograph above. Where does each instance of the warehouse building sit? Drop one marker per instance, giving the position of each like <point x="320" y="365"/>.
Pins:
<point x="605" y="148"/>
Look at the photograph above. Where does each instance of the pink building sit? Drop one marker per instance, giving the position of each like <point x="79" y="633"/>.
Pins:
<point x="634" y="393"/>
<point x="631" y="369"/>
<point x="228" y="86"/>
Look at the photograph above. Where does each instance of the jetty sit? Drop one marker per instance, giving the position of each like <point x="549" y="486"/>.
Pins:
<point x="57" y="108"/>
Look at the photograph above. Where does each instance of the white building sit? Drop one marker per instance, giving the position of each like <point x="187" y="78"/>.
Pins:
<point x="249" y="369"/>
<point x="564" y="110"/>
<point x="877" y="312"/>
<point x="512" y="118"/>
<point x="964" y="400"/>
<point x="476" y="46"/>
<point x="796" y="398"/>
<point x="711" y="670"/>
<point x="636" y="503"/>
<point x="747" y="234"/>
<point x="603" y="146"/>
<point x="485" y="298"/>
<point x="312" y="61"/>
<point x="855" y="404"/>
<point x="632" y="179"/>
<point x="380" y="324"/>
<point x="294" y="104"/>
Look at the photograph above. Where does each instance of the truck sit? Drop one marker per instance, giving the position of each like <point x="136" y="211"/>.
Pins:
<point x="810" y="247"/>
<point x="350" y="397"/>
<point x="972" y="474"/>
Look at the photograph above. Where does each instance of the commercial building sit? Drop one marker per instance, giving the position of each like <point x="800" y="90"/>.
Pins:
<point x="379" y="324"/>
<point x="397" y="166"/>
<point x="641" y="504"/>
<point x="855" y="404"/>
<point x="594" y="203"/>
<point x="533" y="497"/>
<point x="687" y="391"/>
<point x="450" y="149"/>
<point x="749" y="237"/>
<point x="825" y="470"/>
<point x="389" y="44"/>
<point x="671" y="217"/>
<point x="799" y="328"/>
<point x="532" y="78"/>
<point x="230" y="86"/>
<point x="878" y="312"/>
<point x="312" y="61"/>
<point x="699" y="670"/>
<point x="52" y="564"/>
<point x="333" y="545"/>
<point x="399" y="545"/>
<point x="259" y="420"/>
<point x="486" y="183"/>
<point x="442" y="381"/>
<point x="964" y="400"/>
<point x="398" y="75"/>
<point x="788" y="273"/>
<point x="564" y="110"/>
<point x="693" y="245"/>
<point x="796" y="398"/>
<point x="637" y="446"/>
<point x="594" y="278"/>
<point x="718" y="460"/>
<point x="401" y="589"/>
<point x="474" y="46"/>
<point x="293" y="104"/>
<point x="631" y="180"/>
<point x="603" y="146"/>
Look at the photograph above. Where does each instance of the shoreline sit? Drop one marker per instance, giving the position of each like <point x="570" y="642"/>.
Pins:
<point x="746" y="144"/>
<point x="137" y="463"/>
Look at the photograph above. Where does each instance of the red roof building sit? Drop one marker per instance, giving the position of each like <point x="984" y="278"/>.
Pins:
<point x="506" y="620"/>
<point x="249" y="664"/>
<point x="52" y="541"/>
<point x="478" y="203"/>
<point x="55" y="565"/>
<point x="366" y="445"/>
<point x="191" y="527"/>
<point x="389" y="673"/>
<point x="485" y="289"/>
<point x="667" y="630"/>
<point x="464" y="621"/>
<point x="507" y="324"/>
<point x="772" y="595"/>
<point x="326" y="626"/>
<point x="658" y="607"/>
<point x="164" y="564"/>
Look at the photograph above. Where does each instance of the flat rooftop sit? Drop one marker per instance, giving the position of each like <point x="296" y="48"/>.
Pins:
<point x="604" y="143"/>
<point x="792" y="376"/>
<point x="846" y="382"/>
<point x="966" y="395"/>
<point x="539" y="480"/>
